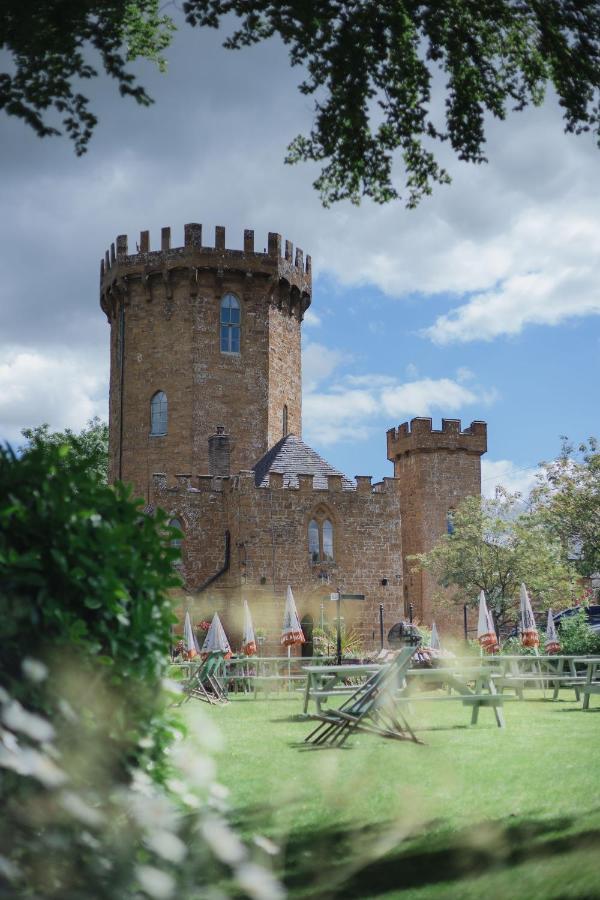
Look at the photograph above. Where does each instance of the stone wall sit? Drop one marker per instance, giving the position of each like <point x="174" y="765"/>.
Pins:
<point x="436" y="469"/>
<point x="164" y="311"/>
<point x="269" y="550"/>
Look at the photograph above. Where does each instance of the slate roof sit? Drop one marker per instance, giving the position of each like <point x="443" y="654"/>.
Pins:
<point x="292" y="457"/>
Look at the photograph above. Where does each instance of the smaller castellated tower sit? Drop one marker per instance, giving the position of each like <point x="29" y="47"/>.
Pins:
<point x="200" y="336"/>
<point x="436" y="470"/>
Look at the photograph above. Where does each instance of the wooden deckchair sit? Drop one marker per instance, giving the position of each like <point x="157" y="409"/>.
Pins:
<point x="203" y="682"/>
<point x="371" y="708"/>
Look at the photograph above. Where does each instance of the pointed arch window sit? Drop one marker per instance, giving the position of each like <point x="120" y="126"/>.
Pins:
<point x="320" y="538"/>
<point x="158" y="413"/>
<point x="327" y="531"/>
<point x="314" y="544"/>
<point x="230" y="324"/>
<point x="285" y="420"/>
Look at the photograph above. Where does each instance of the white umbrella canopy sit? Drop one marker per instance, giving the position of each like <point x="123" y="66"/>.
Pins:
<point x="292" y="630"/>
<point x="552" y="641"/>
<point x="435" y="638"/>
<point x="248" y="639"/>
<point x="486" y="633"/>
<point x="216" y="639"/>
<point x="529" y="634"/>
<point x="189" y="639"/>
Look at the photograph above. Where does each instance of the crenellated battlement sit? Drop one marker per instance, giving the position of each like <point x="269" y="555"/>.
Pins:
<point x="419" y="435"/>
<point x="244" y="482"/>
<point x="279" y="263"/>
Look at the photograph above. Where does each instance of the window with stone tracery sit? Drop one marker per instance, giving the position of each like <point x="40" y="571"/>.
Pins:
<point x="320" y="538"/>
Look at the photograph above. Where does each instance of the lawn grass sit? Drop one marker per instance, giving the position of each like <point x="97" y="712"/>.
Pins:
<point x="475" y="812"/>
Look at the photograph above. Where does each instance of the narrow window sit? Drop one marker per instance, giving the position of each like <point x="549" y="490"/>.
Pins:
<point x="327" y="541"/>
<point x="158" y="413"/>
<point x="176" y="541"/>
<point x="230" y="324"/>
<point x="285" y="420"/>
<point x="313" y="541"/>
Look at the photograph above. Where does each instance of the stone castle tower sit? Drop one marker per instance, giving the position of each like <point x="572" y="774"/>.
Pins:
<point x="436" y="470"/>
<point x="201" y="335"/>
<point x="206" y="421"/>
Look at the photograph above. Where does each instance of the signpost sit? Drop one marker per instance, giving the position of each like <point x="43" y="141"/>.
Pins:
<point x="337" y="597"/>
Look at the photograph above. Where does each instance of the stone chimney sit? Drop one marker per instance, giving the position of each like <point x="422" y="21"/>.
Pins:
<point x="219" y="453"/>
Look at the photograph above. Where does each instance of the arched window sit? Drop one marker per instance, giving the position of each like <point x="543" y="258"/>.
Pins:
<point x="314" y="548"/>
<point x="230" y="324"/>
<point x="285" y="420"/>
<point x="176" y="541"/>
<point x="327" y="541"/>
<point x="158" y="413"/>
<point x="320" y="537"/>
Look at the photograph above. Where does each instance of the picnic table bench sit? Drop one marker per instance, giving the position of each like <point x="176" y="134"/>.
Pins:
<point x="458" y="685"/>
<point x="323" y="682"/>
<point x="591" y="683"/>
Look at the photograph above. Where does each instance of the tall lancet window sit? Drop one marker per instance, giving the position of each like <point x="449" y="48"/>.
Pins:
<point x="158" y="413"/>
<point x="230" y="324"/>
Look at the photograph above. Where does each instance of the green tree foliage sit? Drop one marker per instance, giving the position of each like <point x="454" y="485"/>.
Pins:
<point x="494" y="547"/>
<point x="84" y="578"/>
<point x="567" y="502"/>
<point x="576" y="636"/>
<point x="390" y="79"/>
<point x="90" y="445"/>
<point x="50" y="44"/>
<point x="98" y="801"/>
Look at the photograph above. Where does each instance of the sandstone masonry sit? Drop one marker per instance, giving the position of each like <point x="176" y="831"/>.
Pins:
<point x="259" y="508"/>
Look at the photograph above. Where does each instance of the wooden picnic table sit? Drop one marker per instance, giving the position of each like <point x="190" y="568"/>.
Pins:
<point x="457" y="681"/>
<point x="323" y="682"/>
<point x="591" y="683"/>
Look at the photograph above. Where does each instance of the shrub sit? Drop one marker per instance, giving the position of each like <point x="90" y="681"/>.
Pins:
<point x="576" y="636"/>
<point x="98" y="799"/>
<point x="83" y="587"/>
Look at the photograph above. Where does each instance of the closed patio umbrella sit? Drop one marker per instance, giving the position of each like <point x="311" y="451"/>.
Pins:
<point x="189" y="639"/>
<point x="216" y="639"/>
<point x="292" y="630"/>
<point x="552" y="641"/>
<point x="248" y="639"/>
<point x="486" y="633"/>
<point x="435" y="638"/>
<point x="529" y="634"/>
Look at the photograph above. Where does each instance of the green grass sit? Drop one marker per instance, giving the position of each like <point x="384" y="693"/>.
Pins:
<point x="475" y="813"/>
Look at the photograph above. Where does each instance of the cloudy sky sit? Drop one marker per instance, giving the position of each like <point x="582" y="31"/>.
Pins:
<point x="482" y="304"/>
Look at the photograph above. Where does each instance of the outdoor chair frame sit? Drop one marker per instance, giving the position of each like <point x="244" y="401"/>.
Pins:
<point x="204" y="683"/>
<point x="372" y="708"/>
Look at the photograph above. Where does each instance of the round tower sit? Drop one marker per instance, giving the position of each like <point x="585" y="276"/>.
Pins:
<point x="436" y="470"/>
<point x="201" y="336"/>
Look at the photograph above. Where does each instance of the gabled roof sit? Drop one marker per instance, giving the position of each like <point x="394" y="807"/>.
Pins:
<point x="292" y="457"/>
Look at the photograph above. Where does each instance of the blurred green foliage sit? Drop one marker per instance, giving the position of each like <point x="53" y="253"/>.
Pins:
<point x="84" y="580"/>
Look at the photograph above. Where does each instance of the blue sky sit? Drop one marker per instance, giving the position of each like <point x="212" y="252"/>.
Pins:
<point x="484" y="303"/>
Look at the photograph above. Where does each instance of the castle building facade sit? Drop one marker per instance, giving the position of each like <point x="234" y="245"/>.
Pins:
<point x="205" y="420"/>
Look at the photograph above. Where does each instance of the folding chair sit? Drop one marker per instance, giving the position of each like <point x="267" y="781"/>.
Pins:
<point x="371" y="708"/>
<point x="203" y="682"/>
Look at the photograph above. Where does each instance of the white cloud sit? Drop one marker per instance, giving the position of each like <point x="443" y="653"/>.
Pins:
<point x="504" y="473"/>
<point x="351" y="407"/>
<point x="63" y="390"/>
<point x="311" y="319"/>
<point x="426" y="395"/>
<point x="318" y="362"/>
